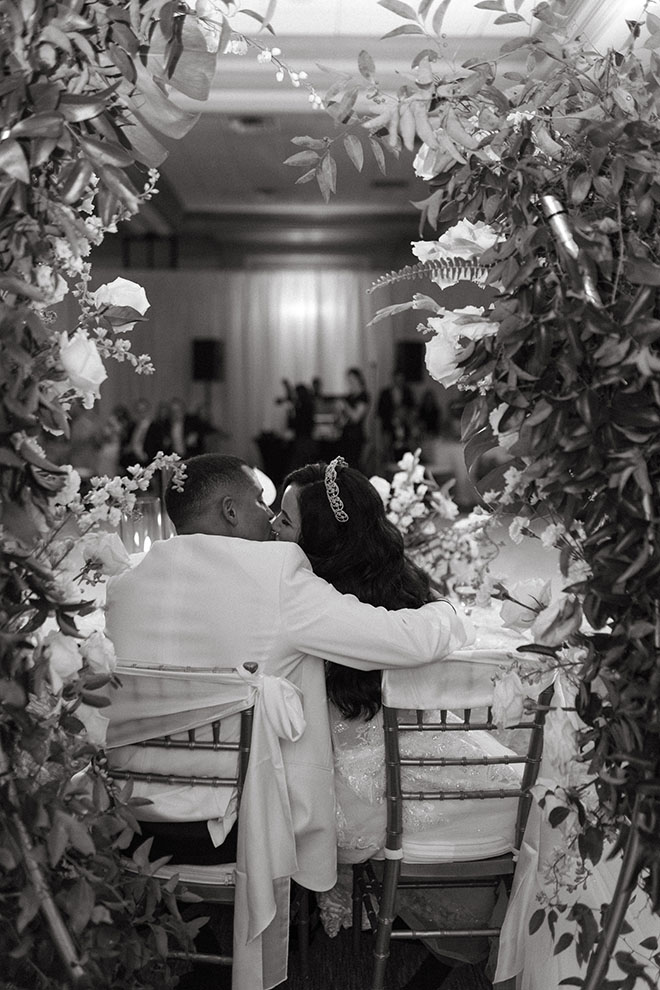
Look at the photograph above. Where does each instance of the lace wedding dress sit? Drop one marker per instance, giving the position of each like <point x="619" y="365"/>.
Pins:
<point x="433" y="830"/>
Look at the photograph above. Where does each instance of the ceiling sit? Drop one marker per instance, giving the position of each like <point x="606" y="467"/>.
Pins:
<point x="230" y="165"/>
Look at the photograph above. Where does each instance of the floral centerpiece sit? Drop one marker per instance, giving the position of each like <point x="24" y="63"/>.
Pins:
<point x="453" y="551"/>
<point x="543" y="190"/>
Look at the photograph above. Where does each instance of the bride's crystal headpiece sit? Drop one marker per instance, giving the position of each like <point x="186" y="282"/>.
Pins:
<point x="332" y="489"/>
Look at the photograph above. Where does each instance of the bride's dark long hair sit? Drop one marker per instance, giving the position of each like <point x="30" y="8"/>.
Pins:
<point x="363" y="557"/>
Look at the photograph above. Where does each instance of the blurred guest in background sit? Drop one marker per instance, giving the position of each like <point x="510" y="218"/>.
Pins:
<point x="301" y="422"/>
<point x="352" y="413"/>
<point x="429" y="414"/>
<point x="84" y="441"/>
<point x="396" y="412"/>
<point x="144" y="440"/>
<point x="183" y="432"/>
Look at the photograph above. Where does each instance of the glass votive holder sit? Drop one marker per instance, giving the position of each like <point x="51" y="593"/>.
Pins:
<point x="146" y="524"/>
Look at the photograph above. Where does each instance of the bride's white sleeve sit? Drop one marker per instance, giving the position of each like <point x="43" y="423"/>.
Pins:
<point x="318" y="620"/>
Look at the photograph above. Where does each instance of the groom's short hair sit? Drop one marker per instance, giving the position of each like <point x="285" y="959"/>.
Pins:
<point x="208" y="476"/>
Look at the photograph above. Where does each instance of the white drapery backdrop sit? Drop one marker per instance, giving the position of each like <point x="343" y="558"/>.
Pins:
<point x="275" y="323"/>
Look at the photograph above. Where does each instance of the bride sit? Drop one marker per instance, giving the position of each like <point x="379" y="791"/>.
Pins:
<point x="339" y="520"/>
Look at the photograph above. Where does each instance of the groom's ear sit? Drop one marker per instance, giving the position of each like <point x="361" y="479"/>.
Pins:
<point x="228" y="511"/>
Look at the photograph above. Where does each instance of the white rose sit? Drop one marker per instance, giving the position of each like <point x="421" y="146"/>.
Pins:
<point x="96" y="725"/>
<point x="122" y="292"/>
<point x="429" y="162"/>
<point x="63" y="656"/>
<point x="529" y="599"/>
<point x="468" y="322"/>
<point x="382" y="486"/>
<point x="99" y="653"/>
<point x="442" y="357"/>
<point x="464" y="240"/>
<point x="108" y="553"/>
<point x="508" y="699"/>
<point x="83" y="365"/>
<point x="558" y="621"/>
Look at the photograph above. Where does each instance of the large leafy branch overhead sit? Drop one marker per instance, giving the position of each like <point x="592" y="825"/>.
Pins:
<point x="558" y="162"/>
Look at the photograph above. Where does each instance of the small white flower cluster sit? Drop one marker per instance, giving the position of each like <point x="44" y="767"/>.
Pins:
<point x="447" y="547"/>
<point x="110" y="498"/>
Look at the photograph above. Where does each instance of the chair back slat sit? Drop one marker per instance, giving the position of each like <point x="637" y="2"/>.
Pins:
<point x="397" y="721"/>
<point x="534" y="753"/>
<point x="394" y="838"/>
<point x="205" y="737"/>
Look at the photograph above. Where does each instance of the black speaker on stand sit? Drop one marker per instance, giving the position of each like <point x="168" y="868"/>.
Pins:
<point x="208" y="366"/>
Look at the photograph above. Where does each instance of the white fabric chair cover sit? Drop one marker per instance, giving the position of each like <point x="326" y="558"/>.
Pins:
<point x="155" y="702"/>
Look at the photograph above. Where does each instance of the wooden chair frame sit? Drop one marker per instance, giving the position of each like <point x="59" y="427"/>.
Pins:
<point x="396" y="873"/>
<point x="218" y="886"/>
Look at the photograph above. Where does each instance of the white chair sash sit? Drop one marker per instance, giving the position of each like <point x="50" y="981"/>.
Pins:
<point x="153" y="702"/>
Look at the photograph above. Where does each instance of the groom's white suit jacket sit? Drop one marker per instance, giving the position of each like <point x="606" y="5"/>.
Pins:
<point x="218" y="601"/>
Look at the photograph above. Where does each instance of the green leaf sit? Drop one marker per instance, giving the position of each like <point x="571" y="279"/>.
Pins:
<point x="491" y="5"/>
<point x="580" y="188"/>
<point x="354" y="150"/>
<point x="557" y="816"/>
<point x="508" y="19"/>
<point x="536" y="920"/>
<point x="404" y="29"/>
<point x="439" y="16"/>
<point x="329" y="169"/>
<point x="79" y="904"/>
<point x="366" y="65"/>
<point x="639" y="271"/>
<point x="123" y="35"/>
<point x="263" y="20"/>
<point x="123" y="62"/>
<point x="13" y="161"/>
<point x="302" y="158"/>
<point x="399" y="8"/>
<point x="317" y="144"/>
<point x="117" y="182"/>
<point x="105" y="152"/>
<point x="47" y="124"/>
<point x="323" y="184"/>
<point x="563" y="943"/>
<point x="305" y="177"/>
<point x="378" y="154"/>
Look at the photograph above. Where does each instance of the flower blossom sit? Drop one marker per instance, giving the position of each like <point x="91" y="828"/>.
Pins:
<point x="64" y="658"/>
<point x="122" y="292"/>
<point x="558" y="621"/>
<point x="382" y="486"/>
<point x="444" y="351"/>
<point x="83" y="365"/>
<point x="524" y="603"/>
<point x="98" y="651"/>
<point x="464" y="240"/>
<point x="105" y="553"/>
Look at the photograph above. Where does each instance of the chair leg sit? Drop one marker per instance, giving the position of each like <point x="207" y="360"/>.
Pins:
<point x="357" y="907"/>
<point x="302" y="924"/>
<point x="385" y="921"/>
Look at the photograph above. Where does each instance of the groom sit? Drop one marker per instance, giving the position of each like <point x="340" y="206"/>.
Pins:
<point x="221" y="593"/>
